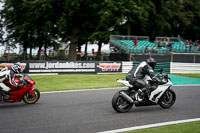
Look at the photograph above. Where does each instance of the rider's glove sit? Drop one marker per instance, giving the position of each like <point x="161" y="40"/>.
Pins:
<point x="156" y="79"/>
<point x="20" y="85"/>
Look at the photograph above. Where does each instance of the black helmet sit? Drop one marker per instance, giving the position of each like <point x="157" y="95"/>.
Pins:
<point x="16" y="68"/>
<point x="151" y="62"/>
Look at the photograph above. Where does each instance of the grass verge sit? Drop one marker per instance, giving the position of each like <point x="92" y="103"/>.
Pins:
<point x="193" y="127"/>
<point x="82" y="81"/>
<point x="192" y="75"/>
<point x="76" y="81"/>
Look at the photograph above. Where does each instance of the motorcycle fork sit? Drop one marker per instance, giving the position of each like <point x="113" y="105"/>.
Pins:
<point x="31" y="92"/>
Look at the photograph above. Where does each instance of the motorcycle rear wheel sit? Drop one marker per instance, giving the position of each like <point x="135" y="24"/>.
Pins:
<point x="119" y="104"/>
<point x="168" y="99"/>
<point x="29" y="99"/>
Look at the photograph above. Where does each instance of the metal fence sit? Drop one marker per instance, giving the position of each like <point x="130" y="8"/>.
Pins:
<point x="174" y="39"/>
<point x="121" y="37"/>
<point x="173" y="57"/>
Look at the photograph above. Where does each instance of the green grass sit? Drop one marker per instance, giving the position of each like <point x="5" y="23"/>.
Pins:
<point x="193" y="127"/>
<point x="76" y="81"/>
<point x="189" y="75"/>
<point x="82" y="81"/>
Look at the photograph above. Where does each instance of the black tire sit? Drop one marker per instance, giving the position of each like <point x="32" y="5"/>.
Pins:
<point x="29" y="99"/>
<point x="119" y="104"/>
<point x="168" y="99"/>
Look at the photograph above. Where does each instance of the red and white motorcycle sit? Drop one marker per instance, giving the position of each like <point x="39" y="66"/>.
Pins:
<point x="28" y="93"/>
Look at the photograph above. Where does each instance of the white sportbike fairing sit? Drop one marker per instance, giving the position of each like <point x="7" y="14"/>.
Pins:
<point x="160" y="90"/>
<point x="157" y="93"/>
<point x="162" y="94"/>
<point x="125" y="82"/>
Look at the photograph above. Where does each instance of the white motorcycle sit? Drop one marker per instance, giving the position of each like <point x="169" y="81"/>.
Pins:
<point x="159" y="94"/>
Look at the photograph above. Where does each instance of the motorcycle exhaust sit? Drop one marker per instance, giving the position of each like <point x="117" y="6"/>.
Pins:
<point x="127" y="97"/>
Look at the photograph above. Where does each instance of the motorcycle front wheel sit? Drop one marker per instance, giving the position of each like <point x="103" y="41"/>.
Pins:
<point x="29" y="99"/>
<point x="168" y="99"/>
<point x="120" y="104"/>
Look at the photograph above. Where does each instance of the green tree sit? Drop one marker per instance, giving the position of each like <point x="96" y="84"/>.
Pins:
<point x="190" y="27"/>
<point x="76" y="21"/>
<point x="30" y="24"/>
<point x="36" y="23"/>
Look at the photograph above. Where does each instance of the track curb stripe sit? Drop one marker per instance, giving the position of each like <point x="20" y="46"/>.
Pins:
<point x="151" y="126"/>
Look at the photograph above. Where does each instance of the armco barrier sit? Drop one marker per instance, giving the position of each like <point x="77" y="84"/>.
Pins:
<point x="169" y="67"/>
<point x="126" y="66"/>
<point x="100" y="67"/>
<point x="185" y="67"/>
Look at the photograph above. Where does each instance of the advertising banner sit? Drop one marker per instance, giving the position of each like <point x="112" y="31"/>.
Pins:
<point x="103" y="67"/>
<point x="8" y="65"/>
<point x="68" y="67"/>
<point x="62" y="67"/>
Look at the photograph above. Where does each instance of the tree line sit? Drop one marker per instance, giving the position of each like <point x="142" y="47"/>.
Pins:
<point x="45" y="23"/>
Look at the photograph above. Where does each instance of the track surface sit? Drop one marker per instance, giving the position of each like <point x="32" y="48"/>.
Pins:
<point x="91" y="111"/>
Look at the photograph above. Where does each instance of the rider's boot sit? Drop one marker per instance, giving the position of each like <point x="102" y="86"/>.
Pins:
<point x="140" y="95"/>
<point x="5" y="94"/>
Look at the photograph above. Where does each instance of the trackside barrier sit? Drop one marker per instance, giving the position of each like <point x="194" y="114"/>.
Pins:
<point x="185" y="67"/>
<point x="99" y="67"/>
<point x="126" y="66"/>
<point x="68" y="67"/>
<point x="169" y="67"/>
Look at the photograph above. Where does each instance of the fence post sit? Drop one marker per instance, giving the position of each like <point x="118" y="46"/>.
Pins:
<point x="194" y="59"/>
<point x="171" y="56"/>
<point x="130" y="57"/>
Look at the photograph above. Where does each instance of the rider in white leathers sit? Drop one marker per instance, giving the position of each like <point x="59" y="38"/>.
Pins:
<point x="5" y="73"/>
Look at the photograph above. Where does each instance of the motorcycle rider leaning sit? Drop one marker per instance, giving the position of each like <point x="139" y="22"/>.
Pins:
<point x="6" y="73"/>
<point x="136" y="75"/>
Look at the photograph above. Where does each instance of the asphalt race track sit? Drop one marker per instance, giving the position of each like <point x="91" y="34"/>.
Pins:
<point x="91" y="111"/>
